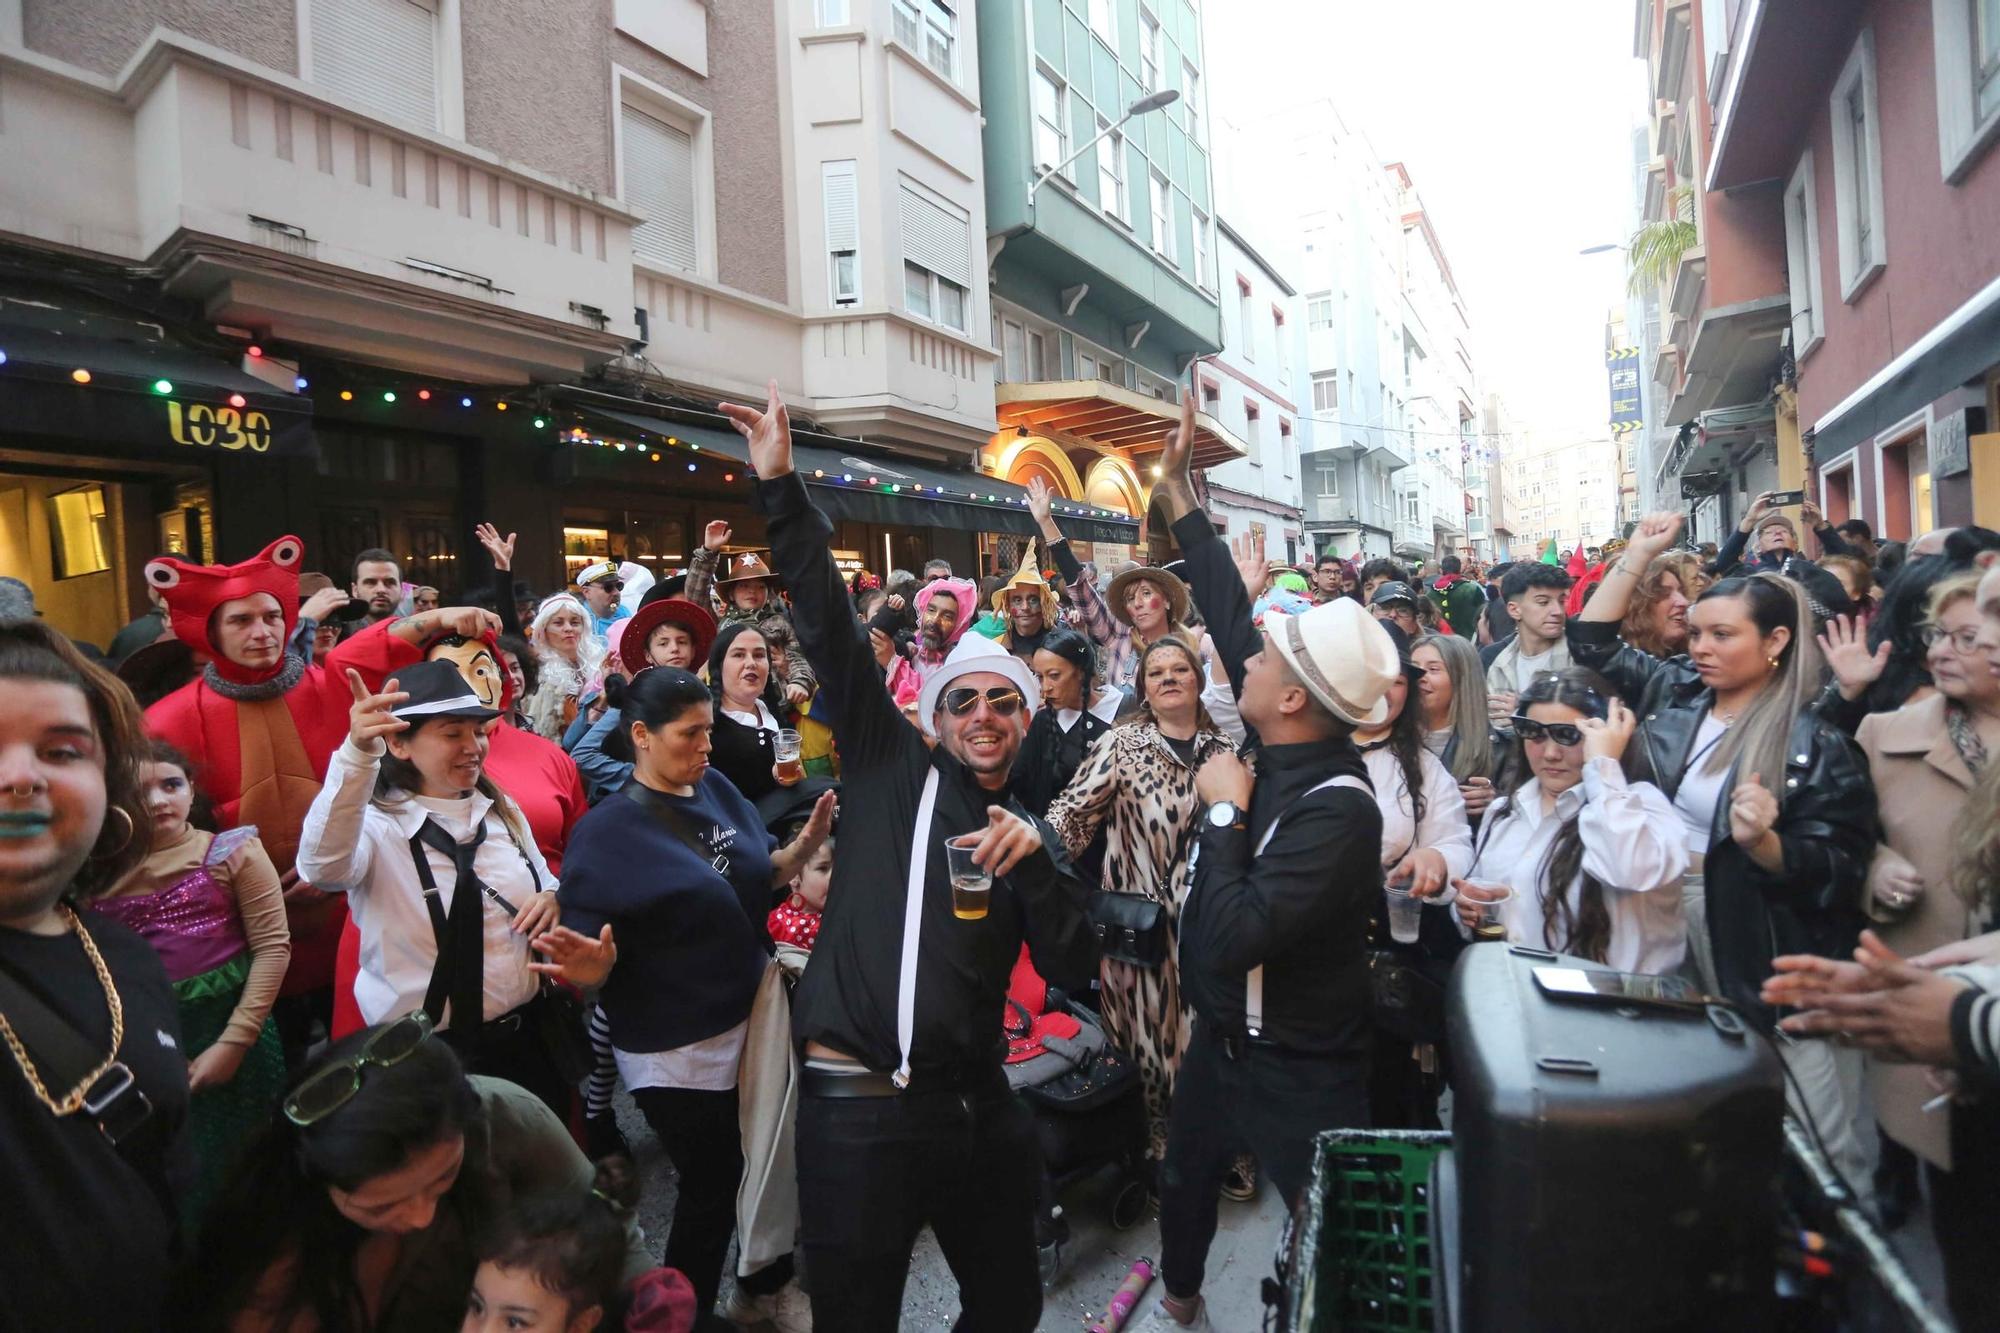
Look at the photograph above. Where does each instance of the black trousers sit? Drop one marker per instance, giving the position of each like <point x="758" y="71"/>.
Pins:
<point x="873" y="1171"/>
<point x="510" y="1047"/>
<point x="1264" y="1100"/>
<point x="698" y="1129"/>
<point x="1964" y="1203"/>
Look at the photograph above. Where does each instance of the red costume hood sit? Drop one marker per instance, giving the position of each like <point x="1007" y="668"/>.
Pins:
<point x="193" y="592"/>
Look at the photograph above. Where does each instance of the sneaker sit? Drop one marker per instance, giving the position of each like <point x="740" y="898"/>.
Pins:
<point x="1159" y="1321"/>
<point x="1240" y="1184"/>
<point x="787" y="1309"/>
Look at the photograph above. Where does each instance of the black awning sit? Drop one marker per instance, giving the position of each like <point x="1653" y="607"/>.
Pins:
<point x="1961" y="356"/>
<point x="852" y="481"/>
<point x="153" y="395"/>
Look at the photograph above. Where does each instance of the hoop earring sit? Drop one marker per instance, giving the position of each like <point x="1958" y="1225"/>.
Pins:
<point x="131" y="829"/>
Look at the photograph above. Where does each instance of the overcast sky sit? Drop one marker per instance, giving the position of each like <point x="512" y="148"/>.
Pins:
<point x="1515" y="123"/>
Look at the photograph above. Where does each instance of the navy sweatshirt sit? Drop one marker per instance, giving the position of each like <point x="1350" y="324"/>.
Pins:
<point x="691" y="940"/>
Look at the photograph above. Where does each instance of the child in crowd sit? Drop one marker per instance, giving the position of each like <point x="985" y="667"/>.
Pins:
<point x="553" y="1265"/>
<point x="796" y="920"/>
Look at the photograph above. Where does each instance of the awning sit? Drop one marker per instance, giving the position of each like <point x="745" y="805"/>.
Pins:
<point x="1959" y="349"/>
<point x="152" y="395"/>
<point x="853" y="482"/>
<point x="1113" y="416"/>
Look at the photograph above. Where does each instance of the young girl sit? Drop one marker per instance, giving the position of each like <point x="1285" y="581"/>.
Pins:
<point x="210" y="906"/>
<point x="554" y="1264"/>
<point x="796" y="920"/>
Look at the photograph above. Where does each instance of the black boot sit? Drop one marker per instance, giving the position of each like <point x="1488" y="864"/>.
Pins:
<point x="602" y="1138"/>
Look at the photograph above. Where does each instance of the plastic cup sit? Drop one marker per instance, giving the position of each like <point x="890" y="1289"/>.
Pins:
<point x="785" y="749"/>
<point x="971" y="883"/>
<point x="1406" y="913"/>
<point x="1491" y="898"/>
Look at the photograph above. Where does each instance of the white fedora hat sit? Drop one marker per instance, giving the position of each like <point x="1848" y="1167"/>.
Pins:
<point x="1341" y="655"/>
<point x="971" y="655"/>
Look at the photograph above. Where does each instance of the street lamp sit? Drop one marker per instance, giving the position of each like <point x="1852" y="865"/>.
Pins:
<point x="1149" y="103"/>
<point x="1603" y="249"/>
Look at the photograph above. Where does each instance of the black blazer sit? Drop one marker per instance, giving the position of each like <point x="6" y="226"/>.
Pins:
<point x="1827" y="820"/>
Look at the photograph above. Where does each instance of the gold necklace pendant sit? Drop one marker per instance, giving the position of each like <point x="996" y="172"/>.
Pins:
<point x="72" y="1102"/>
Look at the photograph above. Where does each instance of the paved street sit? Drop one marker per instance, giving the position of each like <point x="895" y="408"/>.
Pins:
<point x="1096" y="1261"/>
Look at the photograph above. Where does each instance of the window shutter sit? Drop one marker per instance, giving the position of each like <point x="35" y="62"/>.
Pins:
<point x="659" y="182"/>
<point x="843" y="223"/>
<point x="380" y="54"/>
<point x="936" y="238"/>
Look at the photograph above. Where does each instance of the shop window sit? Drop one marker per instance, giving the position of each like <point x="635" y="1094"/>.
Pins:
<point x="79" y="532"/>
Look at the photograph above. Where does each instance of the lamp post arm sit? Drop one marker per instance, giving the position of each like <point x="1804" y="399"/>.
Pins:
<point x="1062" y="166"/>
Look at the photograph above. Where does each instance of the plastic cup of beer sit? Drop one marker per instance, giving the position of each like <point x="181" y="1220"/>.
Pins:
<point x="1406" y="913"/>
<point x="971" y="883"/>
<point x="1491" y="898"/>
<point x="789" y="769"/>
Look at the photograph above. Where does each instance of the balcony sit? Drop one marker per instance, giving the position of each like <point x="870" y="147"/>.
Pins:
<point x="1677" y="35"/>
<point x="1733" y="356"/>
<point x="1784" y="57"/>
<point x="309" y="221"/>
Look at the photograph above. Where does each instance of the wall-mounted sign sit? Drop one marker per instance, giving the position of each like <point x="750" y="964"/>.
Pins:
<point x="1950" y="445"/>
<point x="1627" y="409"/>
<point x="203" y="426"/>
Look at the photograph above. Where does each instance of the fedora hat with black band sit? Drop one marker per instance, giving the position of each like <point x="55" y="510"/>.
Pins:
<point x="436" y="689"/>
<point x="1342" y="655"/>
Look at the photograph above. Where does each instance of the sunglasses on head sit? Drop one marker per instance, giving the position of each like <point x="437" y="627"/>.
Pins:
<point x="335" y="1086"/>
<point x="1002" y="699"/>
<point x="1562" y="733"/>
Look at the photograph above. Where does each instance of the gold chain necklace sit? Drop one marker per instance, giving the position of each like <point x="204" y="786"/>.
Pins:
<point x="73" y="1102"/>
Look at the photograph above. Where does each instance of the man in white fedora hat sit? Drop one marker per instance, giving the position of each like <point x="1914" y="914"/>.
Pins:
<point x="905" y="1118"/>
<point x="1274" y="933"/>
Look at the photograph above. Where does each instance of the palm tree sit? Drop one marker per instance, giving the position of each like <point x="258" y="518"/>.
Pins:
<point x="1657" y="247"/>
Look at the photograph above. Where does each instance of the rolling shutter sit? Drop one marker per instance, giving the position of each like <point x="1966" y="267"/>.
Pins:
<point x="936" y="238"/>
<point x="379" y="54"/>
<point x="659" y="182"/>
<point x="843" y="223"/>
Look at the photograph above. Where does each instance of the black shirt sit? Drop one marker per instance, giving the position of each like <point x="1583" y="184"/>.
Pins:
<point x="743" y="754"/>
<point x="91" y="1238"/>
<point x="847" y="999"/>
<point x="1300" y="908"/>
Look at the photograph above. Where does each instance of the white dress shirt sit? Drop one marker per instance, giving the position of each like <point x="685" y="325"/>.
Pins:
<point x="351" y="845"/>
<point x="1444" y="828"/>
<point x="1632" y="843"/>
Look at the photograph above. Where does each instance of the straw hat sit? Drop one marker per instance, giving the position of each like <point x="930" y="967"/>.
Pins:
<point x="1174" y="590"/>
<point x="1029" y="575"/>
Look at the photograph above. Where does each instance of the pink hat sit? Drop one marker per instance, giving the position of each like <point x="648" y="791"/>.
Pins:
<point x="962" y="591"/>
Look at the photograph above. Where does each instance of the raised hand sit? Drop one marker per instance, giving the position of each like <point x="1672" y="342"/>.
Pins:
<point x="883" y="647"/>
<point x="768" y="431"/>
<point x="1606" y="737"/>
<point x="500" y="548"/>
<point x="1251" y="563"/>
<point x="1844" y="642"/>
<point x="1655" y="533"/>
<point x="1177" y="461"/>
<point x="576" y="958"/>
<point x="1809" y="511"/>
<point x="371" y="715"/>
<point x="1758" y="508"/>
<point x="1042" y="505"/>
<point x="716" y="535"/>
<point x="323" y="604"/>
<point x="468" y="622"/>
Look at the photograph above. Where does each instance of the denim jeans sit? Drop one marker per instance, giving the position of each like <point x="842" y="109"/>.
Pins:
<point x="874" y="1171"/>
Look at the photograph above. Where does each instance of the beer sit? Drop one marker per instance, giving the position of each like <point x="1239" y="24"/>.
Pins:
<point x="790" y="772"/>
<point x="1489" y="931"/>
<point x="969" y="897"/>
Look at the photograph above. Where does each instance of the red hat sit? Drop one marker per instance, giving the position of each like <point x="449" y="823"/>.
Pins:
<point x="193" y="592"/>
<point x="699" y="624"/>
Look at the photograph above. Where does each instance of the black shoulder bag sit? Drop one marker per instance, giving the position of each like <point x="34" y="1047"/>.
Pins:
<point x="63" y="1056"/>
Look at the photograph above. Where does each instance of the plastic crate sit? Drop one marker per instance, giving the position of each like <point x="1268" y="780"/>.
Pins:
<point x="1361" y="1253"/>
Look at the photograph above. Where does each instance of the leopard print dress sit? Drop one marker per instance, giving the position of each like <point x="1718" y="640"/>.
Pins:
<point x="1134" y="787"/>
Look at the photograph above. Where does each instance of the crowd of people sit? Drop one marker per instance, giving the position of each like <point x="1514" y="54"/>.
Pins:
<point x="330" y="921"/>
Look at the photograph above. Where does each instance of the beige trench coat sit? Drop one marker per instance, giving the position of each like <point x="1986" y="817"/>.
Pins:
<point x="1921" y="784"/>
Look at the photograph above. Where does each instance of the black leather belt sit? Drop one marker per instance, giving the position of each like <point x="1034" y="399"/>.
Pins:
<point x="868" y="1083"/>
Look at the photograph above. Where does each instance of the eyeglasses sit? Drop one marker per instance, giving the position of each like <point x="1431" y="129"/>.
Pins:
<point x="335" y="1086"/>
<point x="1562" y="733"/>
<point x="1962" y="640"/>
<point x="610" y="585"/>
<point x="1002" y="699"/>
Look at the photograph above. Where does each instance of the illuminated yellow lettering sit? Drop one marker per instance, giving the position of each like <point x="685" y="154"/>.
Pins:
<point x="226" y="419"/>
<point x="201" y="424"/>
<point x="257" y="429"/>
<point x="175" y="427"/>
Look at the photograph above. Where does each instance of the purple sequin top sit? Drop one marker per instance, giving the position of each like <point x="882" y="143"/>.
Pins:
<point x="192" y="923"/>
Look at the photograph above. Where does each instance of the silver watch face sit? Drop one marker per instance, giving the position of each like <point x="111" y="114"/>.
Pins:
<point x="1222" y="814"/>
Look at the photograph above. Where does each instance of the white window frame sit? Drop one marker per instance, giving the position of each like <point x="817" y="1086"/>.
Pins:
<point x="1253" y="432"/>
<point x="934" y="298"/>
<point x="914" y="23"/>
<point x="1191" y="95"/>
<point x="664" y="104"/>
<point x="831" y="13"/>
<point x="1104" y="22"/>
<point x="1329" y="481"/>
<point x="1325" y="379"/>
<point x="1246" y="318"/>
<point x="913" y="194"/>
<point x="1160" y="198"/>
<point x="1802" y="258"/>
<point x="1149" y="50"/>
<point x="1859" y="262"/>
<point x="1280" y="341"/>
<point x="1204" y="252"/>
<point x="447" y="46"/>
<point x="1314" y="324"/>
<point x="1288" y="446"/>
<point x="1050" y="78"/>
<point x="1964" y="132"/>
<point x="842" y="293"/>
<point x="1111" y="174"/>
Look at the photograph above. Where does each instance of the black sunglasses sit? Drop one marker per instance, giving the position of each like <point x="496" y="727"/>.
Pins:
<point x="1562" y="733"/>
<point x="1002" y="699"/>
<point x="335" y="1086"/>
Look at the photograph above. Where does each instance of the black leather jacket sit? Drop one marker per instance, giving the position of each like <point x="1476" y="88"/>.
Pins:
<point x="1826" y="820"/>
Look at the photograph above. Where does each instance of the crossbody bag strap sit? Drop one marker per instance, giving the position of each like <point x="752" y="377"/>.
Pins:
<point x="675" y="823"/>
<point x="1253" y="985"/>
<point x="64" y="1057"/>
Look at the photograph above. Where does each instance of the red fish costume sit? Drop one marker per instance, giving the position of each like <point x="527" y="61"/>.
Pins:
<point x="260" y="740"/>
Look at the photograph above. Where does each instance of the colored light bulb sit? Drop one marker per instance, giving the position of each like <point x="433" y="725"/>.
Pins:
<point x="163" y="386"/>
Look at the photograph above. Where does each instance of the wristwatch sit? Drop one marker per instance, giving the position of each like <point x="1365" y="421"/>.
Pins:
<point x="1225" y="814"/>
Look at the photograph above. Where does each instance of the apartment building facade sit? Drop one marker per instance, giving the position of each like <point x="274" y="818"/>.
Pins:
<point x="1563" y="491"/>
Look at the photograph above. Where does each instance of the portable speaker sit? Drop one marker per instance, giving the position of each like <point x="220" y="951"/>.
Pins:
<point x="1613" y="1165"/>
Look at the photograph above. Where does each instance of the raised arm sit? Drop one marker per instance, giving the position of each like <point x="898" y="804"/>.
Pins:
<point x="1098" y="621"/>
<point x="701" y="565"/>
<point x="867" y="727"/>
<point x="1218" y="586"/>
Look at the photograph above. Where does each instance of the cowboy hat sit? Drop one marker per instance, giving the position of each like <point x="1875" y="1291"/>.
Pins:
<point x="1342" y="655"/>
<point x="975" y="654"/>
<point x="699" y="624"/>
<point x="744" y="567"/>
<point x="1170" y="587"/>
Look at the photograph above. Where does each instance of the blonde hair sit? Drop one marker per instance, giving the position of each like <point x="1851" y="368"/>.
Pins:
<point x="1761" y="738"/>
<point x="1474" y="756"/>
<point x="1950" y="589"/>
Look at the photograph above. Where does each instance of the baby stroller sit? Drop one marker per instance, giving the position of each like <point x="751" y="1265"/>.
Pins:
<point x="1084" y="1095"/>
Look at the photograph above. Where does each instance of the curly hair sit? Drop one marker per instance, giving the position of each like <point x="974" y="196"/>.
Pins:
<point x="1637" y="628"/>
